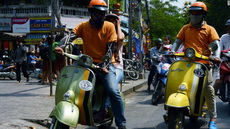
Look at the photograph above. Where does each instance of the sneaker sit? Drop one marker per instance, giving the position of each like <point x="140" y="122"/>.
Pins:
<point x="121" y="127"/>
<point x="212" y="125"/>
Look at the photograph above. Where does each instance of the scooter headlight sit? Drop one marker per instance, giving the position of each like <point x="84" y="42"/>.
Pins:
<point x="85" y="61"/>
<point x="182" y="87"/>
<point x="189" y="53"/>
<point x="68" y="96"/>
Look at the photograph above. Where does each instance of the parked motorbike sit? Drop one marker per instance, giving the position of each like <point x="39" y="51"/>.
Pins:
<point x="79" y="96"/>
<point x="7" y="68"/>
<point x="184" y="88"/>
<point x="224" y="90"/>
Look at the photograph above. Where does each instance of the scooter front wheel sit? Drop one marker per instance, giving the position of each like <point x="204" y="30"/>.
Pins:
<point x="175" y="119"/>
<point x="157" y="92"/>
<point x="58" y="125"/>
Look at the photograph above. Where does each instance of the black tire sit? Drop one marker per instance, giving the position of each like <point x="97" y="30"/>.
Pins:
<point x="228" y="87"/>
<point x="132" y="73"/>
<point x="58" y="125"/>
<point x="157" y="92"/>
<point x="176" y="119"/>
<point x="223" y="92"/>
<point x="193" y="119"/>
<point x="12" y="76"/>
<point x="105" y="126"/>
<point x="154" y="81"/>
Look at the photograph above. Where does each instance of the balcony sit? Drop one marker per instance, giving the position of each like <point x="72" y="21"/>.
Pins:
<point x="25" y="11"/>
<point x="40" y="11"/>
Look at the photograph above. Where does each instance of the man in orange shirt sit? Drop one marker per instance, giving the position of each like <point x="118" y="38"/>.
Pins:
<point x="96" y="35"/>
<point x="198" y="34"/>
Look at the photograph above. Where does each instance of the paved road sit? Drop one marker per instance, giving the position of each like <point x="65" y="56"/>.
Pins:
<point x="29" y="104"/>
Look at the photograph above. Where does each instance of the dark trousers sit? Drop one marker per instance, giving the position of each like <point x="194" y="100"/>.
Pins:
<point x="21" y="66"/>
<point x="151" y="74"/>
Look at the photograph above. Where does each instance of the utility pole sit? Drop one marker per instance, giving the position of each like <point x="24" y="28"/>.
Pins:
<point x="140" y="38"/>
<point x="130" y="31"/>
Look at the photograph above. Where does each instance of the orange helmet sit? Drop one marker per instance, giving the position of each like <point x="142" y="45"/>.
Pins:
<point x="98" y="4"/>
<point x="198" y="6"/>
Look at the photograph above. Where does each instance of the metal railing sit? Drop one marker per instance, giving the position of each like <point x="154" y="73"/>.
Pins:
<point x="40" y="11"/>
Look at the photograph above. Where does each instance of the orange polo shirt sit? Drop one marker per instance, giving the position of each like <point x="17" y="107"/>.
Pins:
<point x="198" y="38"/>
<point x="95" y="40"/>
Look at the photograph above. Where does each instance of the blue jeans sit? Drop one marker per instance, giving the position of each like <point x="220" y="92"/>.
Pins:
<point x="119" y="75"/>
<point x="112" y="90"/>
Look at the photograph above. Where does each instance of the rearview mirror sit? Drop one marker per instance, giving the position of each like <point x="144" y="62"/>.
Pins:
<point x="213" y="46"/>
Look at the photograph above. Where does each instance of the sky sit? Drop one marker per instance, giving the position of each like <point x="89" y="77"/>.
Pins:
<point x="180" y="3"/>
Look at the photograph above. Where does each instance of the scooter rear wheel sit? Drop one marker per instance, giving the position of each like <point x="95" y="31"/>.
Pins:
<point x="58" y="125"/>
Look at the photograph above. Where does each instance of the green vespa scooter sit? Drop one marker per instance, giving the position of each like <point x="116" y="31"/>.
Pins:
<point x="77" y="98"/>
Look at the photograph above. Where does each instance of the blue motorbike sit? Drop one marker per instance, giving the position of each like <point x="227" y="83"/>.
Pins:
<point x="159" y="82"/>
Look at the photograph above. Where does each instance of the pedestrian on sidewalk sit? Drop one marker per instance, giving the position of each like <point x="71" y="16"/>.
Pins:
<point x="44" y="53"/>
<point x="20" y="58"/>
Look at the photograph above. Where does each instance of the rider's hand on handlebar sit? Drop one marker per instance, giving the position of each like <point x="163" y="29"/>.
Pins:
<point x="216" y="60"/>
<point x="59" y="50"/>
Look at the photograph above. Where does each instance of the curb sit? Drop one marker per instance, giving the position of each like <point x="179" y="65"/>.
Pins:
<point x="134" y="88"/>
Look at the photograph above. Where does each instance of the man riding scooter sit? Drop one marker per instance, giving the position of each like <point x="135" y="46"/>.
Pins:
<point x="198" y="35"/>
<point x="96" y="34"/>
<point x="224" y="45"/>
<point x="154" y="55"/>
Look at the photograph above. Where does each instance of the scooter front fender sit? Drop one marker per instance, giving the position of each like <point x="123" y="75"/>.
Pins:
<point x="66" y="113"/>
<point x="178" y="100"/>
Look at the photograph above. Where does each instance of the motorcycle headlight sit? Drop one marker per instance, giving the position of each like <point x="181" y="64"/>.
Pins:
<point x="68" y="96"/>
<point x="182" y="87"/>
<point x="85" y="61"/>
<point x="189" y="53"/>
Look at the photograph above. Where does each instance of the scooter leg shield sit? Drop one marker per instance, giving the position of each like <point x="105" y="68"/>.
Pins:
<point x="66" y="113"/>
<point x="178" y="100"/>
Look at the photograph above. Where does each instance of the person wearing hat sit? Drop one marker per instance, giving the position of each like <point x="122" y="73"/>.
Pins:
<point x="224" y="45"/>
<point x="97" y="35"/>
<point x="198" y="34"/>
<point x="154" y="55"/>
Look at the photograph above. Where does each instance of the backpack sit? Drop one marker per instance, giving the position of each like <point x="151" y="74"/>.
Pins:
<point x="44" y="52"/>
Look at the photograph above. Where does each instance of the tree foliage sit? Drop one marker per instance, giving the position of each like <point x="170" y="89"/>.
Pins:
<point x="165" y="19"/>
<point x="218" y="14"/>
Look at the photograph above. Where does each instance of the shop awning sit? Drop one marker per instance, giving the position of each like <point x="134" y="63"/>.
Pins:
<point x="11" y="36"/>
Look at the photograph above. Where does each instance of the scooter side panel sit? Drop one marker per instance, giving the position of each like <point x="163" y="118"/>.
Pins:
<point x="66" y="113"/>
<point x="184" y="71"/>
<point x="70" y="79"/>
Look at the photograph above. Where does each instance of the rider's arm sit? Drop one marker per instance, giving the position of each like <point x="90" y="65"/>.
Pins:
<point x="176" y="45"/>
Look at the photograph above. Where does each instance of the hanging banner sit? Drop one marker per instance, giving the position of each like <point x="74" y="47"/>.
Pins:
<point x="21" y="25"/>
<point x="40" y="25"/>
<point x="5" y="24"/>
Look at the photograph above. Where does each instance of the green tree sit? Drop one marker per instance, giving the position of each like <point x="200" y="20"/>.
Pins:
<point x="218" y="14"/>
<point x="165" y="19"/>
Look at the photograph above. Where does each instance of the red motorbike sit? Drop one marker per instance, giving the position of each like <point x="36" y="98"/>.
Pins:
<point x="224" y="90"/>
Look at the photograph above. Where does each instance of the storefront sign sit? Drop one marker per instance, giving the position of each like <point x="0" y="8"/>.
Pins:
<point x="21" y="25"/>
<point x="5" y="24"/>
<point x="40" y="25"/>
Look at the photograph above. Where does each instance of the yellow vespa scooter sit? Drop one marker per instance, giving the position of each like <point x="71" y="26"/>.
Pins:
<point x="185" y="87"/>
